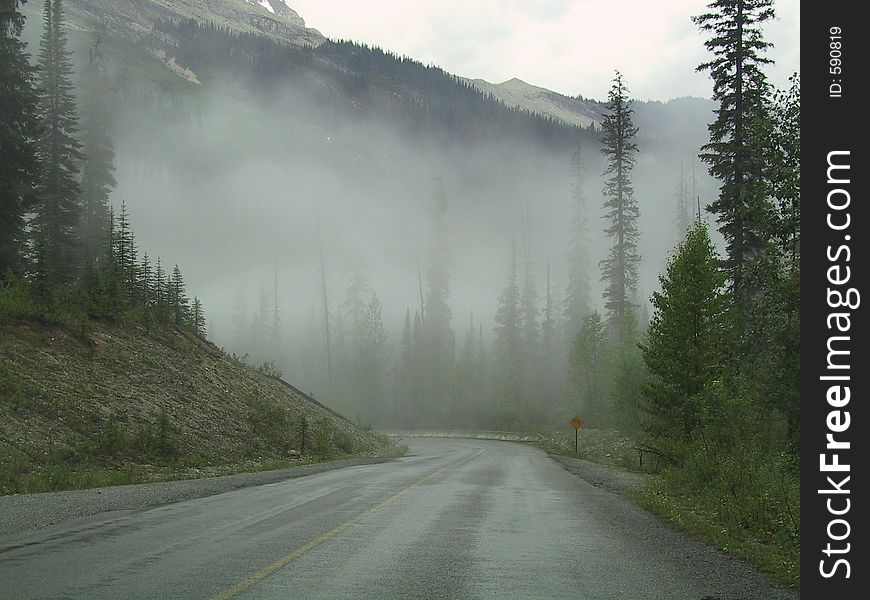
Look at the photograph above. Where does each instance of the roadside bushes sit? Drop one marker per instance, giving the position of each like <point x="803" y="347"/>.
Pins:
<point x="733" y="480"/>
<point x="157" y="441"/>
<point x="327" y="440"/>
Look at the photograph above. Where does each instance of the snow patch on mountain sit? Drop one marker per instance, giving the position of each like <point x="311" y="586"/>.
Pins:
<point x="280" y="8"/>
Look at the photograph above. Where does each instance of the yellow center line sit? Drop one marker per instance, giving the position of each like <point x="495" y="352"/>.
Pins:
<point x="269" y="569"/>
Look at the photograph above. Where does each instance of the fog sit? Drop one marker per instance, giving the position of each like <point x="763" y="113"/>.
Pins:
<point x="237" y="182"/>
<point x="230" y="200"/>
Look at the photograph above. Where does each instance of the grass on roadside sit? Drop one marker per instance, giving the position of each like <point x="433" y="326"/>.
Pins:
<point x="603" y="446"/>
<point x="759" y="525"/>
<point x="782" y="560"/>
<point x="17" y="477"/>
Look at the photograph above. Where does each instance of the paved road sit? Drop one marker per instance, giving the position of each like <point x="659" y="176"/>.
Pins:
<point x="453" y="519"/>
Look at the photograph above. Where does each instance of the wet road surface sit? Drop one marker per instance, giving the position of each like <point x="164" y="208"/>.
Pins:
<point x="452" y="519"/>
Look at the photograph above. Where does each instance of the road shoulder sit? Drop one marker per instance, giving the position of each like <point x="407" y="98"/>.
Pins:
<point x="21" y="513"/>
<point x="610" y="478"/>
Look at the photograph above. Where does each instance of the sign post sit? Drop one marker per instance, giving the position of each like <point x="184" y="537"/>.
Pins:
<point x="576" y="423"/>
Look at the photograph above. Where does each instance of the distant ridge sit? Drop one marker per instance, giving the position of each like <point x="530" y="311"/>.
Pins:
<point x="519" y="94"/>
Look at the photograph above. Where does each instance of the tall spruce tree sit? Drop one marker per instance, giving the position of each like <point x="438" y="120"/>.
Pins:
<point x="627" y="377"/>
<point x="97" y="171"/>
<point x="56" y="220"/>
<point x="405" y="382"/>
<point x="372" y="352"/>
<point x="125" y="252"/>
<point x="619" y="269"/>
<point x="588" y="364"/>
<point x="18" y="129"/>
<point x="179" y="303"/>
<point x="437" y="347"/>
<point x="508" y="347"/>
<point x="197" y="318"/>
<point x="734" y="154"/>
<point x="529" y="326"/>
<point x="161" y="290"/>
<point x="683" y="206"/>
<point x="577" y="294"/>
<point x="551" y="366"/>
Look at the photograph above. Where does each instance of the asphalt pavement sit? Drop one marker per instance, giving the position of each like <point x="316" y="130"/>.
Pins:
<point x="452" y="519"/>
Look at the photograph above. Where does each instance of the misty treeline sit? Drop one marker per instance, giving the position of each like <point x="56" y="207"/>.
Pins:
<point x="65" y="256"/>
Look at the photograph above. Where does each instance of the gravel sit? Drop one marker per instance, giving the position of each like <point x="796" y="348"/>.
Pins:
<point x="26" y="512"/>
<point x="612" y="479"/>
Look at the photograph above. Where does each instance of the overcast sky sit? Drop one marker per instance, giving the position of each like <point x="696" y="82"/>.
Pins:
<point x="570" y="46"/>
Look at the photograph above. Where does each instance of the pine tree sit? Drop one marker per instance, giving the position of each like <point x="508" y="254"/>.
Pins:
<point x="437" y="346"/>
<point x="18" y="127"/>
<point x="578" y="296"/>
<point x="683" y="207"/>
<point x="588" y="362"/>
<point x="177" y="298"/>
<point x="354" y="304"/>
<point x="468" y="355"/>
<point x="466" y="391"/>
<point x="682" y="352"/>
<point x="734" y="154"/>
<point x="56" y="220"/>
<point x="373" y="352"/>
<point x="146" y="281"/>
<point x="550" y="323"/>
<point x="125" y="251"/>
<point x="97" y="171"/>
<point x="508" y="346"/>
<point x="160" y="289"/>
<point x="418" y="411"/>
<point x="529" y="326"/>
<point x="627" y="377"/>
<point x="110" y="297"/>
<point x="324" y="308"/>
<point x="438" y="315"/>
<point x="551" y="366"/>
<point x="619" y="269"/>
<point x="197" y="318"/>
<point x="407" y="374"/>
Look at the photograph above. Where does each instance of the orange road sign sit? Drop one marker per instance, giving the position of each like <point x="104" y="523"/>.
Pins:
<point x="577" y="422"/>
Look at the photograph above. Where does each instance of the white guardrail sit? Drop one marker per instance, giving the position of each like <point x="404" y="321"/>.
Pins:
<point x="507" y="436"/>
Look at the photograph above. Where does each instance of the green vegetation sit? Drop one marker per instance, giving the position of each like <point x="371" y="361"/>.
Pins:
<point x="713" y="392"/>
<point x="722" y="402"/>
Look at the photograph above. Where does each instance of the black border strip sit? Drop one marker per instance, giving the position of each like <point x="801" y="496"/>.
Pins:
<point x="832" y="122"/>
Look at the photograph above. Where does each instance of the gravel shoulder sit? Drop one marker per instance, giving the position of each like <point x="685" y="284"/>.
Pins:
<point x="610" y="478"/>
<point x="26" y="512"/>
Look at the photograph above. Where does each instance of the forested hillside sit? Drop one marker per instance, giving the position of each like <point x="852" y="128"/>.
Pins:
<point x="105" y="372"/>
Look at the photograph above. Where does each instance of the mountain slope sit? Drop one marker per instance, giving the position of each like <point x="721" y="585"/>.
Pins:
<point x="120" y="399"/>
<point x="517" y="93"/>
<point x="272" y="18"/>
